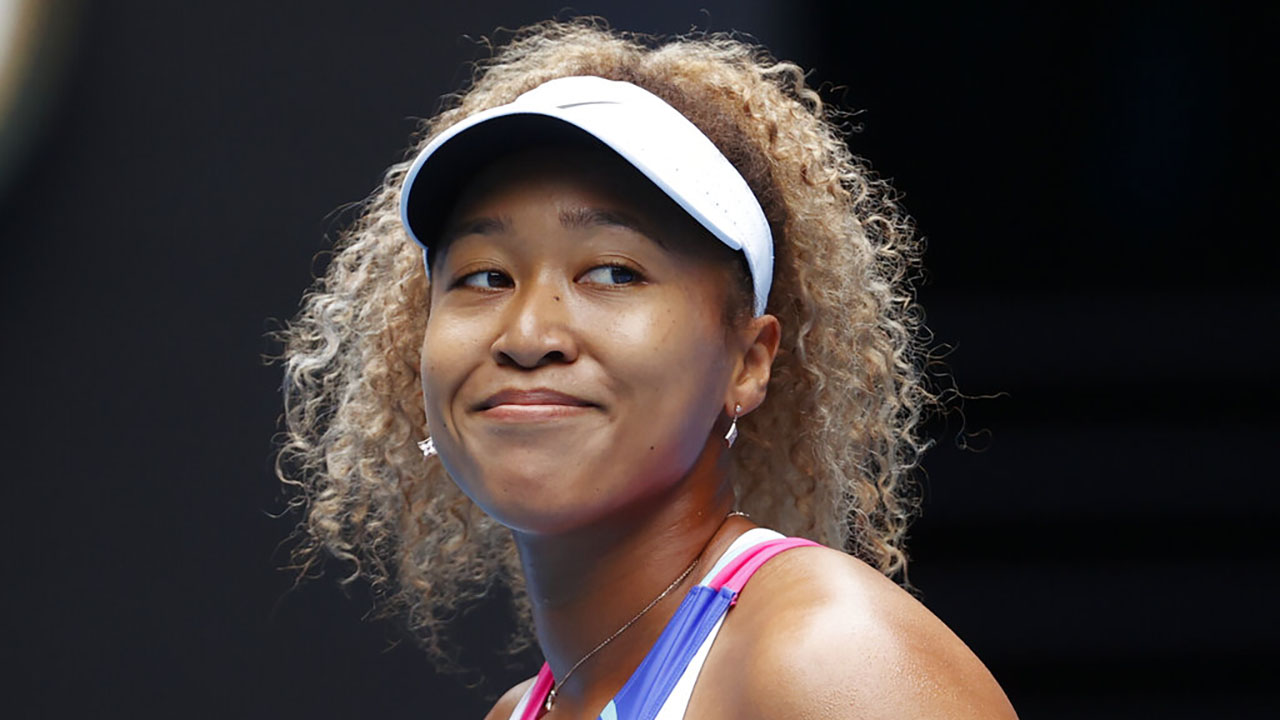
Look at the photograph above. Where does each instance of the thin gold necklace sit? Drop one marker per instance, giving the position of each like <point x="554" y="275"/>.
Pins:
<point x="551" y="695"/>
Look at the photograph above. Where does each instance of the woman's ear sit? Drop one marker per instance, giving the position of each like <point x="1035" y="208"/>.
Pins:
<point x="758" y="343"/>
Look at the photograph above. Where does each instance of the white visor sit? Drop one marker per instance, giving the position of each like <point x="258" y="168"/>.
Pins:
<point x="636" y="124"/>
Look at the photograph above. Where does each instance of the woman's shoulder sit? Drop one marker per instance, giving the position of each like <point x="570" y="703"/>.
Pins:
<point x="818" y="630"/>
<point x="507" y="703"/>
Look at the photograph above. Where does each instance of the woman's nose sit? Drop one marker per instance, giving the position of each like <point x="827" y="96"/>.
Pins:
<point x="536" y="329"/>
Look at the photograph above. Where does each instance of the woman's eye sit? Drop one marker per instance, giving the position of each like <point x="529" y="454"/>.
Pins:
<point x="612" y="275"/>
<point x="489" y="279"/>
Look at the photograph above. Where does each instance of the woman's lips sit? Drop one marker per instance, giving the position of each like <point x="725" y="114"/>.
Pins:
<point x="533" y="413"/>
<point x="532" y="405"/>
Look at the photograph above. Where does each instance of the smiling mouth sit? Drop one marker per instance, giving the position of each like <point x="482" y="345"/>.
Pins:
<point x="534" y="413"/>
<point x="535" y="404"/>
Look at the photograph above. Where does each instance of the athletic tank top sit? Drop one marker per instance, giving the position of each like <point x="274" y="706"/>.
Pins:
<point x="661" y="686"/>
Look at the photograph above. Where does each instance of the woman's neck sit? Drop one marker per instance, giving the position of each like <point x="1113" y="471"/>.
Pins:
<point x="587" y="584"/>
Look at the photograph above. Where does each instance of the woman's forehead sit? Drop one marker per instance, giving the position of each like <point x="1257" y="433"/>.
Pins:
<point x="610" y="192"/>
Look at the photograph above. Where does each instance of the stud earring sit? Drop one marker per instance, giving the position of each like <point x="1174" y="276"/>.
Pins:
<point x="732" y="435"/>
<point x="428" y="447"/>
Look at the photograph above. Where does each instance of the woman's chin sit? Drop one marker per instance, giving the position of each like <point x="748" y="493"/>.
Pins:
<point x="553" y="489"/>
<point x="547" y="503"/>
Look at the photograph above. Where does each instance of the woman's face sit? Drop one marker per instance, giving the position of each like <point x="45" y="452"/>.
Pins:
<point x="576" y="357"/>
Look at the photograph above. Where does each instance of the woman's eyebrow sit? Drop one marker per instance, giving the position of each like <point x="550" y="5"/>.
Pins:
<point x="589" y="217"/>
<point x="476" y="226"/>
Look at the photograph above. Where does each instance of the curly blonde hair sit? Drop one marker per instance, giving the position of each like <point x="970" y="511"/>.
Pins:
<point x="826" y="457"/>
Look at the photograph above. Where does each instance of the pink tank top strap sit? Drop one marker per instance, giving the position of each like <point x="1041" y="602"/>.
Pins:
<point x="736" y="574"/>
<point x="538" y="693"/>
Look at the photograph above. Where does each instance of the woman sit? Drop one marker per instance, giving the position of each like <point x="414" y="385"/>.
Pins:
<point x="624" y="295"/>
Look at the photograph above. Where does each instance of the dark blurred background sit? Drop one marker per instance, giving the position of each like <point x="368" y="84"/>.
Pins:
<point x="1097" y="185"/>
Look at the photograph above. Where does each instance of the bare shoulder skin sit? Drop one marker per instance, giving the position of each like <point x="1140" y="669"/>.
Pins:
<point x="819" y="634"/>
<point x="507" y="703"/>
